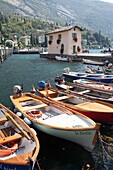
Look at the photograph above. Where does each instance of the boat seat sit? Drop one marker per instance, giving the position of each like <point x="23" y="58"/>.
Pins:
<point x="2" y="135"/>
<point x="62" y="98"/>
<point x="10" y="138"/>
<point x="85" y="91"/>
<point x="35" y="107"/>
<point x="3" y="120"/>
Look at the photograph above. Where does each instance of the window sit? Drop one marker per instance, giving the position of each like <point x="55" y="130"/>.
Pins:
<point x="59" y="37"/>
<point x="50" y="39"/>
<point x="74" y="36"/>
<point x="74" y="49"/>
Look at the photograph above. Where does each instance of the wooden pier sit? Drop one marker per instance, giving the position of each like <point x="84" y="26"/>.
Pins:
<point x="5" y="52"/>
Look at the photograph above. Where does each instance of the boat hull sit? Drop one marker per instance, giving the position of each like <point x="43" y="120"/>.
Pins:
<point x="85" y="138"/>
<point x="93" y="77"/>
<point x="92" y="62"/>
<point x="59" y="121"/>
<point x="15" y="167"/>
<point x="98" y="116"/>
<point x="13" y="130"/>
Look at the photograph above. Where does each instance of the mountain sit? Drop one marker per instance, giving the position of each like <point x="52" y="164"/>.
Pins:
<point x="94" y="14"/>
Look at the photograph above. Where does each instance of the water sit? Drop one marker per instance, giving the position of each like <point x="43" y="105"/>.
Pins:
<point x="55" y="153"/>
<point x="28" y="70"/>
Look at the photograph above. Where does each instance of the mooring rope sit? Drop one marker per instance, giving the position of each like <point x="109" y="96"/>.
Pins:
<point x="103" y="148"/>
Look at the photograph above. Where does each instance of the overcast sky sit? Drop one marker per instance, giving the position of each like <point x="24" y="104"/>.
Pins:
<point x="111" y="1"/>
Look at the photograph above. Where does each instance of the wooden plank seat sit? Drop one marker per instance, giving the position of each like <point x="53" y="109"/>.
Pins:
<point x="3" y="120"/>
<point x="35" y="107"/>
<point x="2" y="135"/>
<point x="85" y="91"/>
<point x="62" y="98"/>
<point x="10" y="138"/>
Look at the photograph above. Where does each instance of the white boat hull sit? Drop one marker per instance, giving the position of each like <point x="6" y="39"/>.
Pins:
<point x="60" y="58"/>
<point x="82" y="137"/>
<point x="59" y="121"/>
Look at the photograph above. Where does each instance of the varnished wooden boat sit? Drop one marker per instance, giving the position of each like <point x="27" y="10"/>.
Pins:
<point x="89" y="89"/>
<point x="95" y="109"/>
<point x="92" y="85"/>
<point x="50" y="92"/>
<point x="57" y="120"/>
<point x="19" y="145"/>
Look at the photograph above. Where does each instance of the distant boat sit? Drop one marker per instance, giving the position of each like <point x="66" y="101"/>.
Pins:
<point x="19" y="145"/>
<point x="94" y="77"/>
<point x="62" y="58"/>
<point x="57" y="120"/>
<point x="92" y="62"/>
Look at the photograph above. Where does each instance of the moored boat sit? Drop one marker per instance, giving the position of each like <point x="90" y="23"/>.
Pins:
<point x="92" y="62"/>
<point x="62" y="58"/>
<point x="57" y="120"/>
<point x="99" y="92"/>
<point x="97" y="110"/>
<point x="70" y="76"/>
<point x="93" y="85"/>
<point x="19" y="145"/>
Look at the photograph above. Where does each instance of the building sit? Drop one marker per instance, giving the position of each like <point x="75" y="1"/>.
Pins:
<point x="26" y="40"/>
<point x="41" y="39"/>
<point x="65" y="41"/>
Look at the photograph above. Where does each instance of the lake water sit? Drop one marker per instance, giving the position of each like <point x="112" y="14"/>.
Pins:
<point x="55" y="153"/>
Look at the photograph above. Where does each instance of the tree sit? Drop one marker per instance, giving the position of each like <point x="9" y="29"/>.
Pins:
<point x="0" y="27"/>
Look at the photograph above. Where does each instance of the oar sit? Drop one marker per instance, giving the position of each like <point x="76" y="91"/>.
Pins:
<point x="17" y="125"/>
<point x="49" y="101"/>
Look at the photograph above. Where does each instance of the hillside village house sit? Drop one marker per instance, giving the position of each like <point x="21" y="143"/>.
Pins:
<point x="26" y="40"/>
<point x="65" y="41"/>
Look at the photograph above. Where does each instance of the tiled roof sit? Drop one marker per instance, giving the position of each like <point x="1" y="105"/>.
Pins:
<point x="67" y="28"/>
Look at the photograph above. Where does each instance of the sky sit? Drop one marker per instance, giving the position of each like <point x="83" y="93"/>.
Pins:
<point x="111" y="1"/>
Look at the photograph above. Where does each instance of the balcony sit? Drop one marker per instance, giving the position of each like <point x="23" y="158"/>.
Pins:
<point x="58" y="41"/>
<point x="50" y="42"/>
<point x="75" y="39"/>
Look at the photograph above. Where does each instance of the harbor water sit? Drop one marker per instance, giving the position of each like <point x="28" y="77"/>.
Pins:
<point x="28" y="70"/>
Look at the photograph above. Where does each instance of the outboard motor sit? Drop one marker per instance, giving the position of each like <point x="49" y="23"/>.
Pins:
<point x="66" y="70"/>
<point x="17" y="91"/>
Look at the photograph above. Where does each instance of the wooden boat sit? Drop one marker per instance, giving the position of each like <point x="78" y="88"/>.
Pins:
<point x="92" y="85"/>
<point x="19" y="145"/>
<point x="103" y="93"/>
<point x="92" y="62"/>
<point x="97" y="110"/>
<point x="62" y="58"/>
<point x="70" y="76"/>
<point x="57" y="120"/>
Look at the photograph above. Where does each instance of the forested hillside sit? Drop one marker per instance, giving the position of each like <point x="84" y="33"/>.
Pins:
<point x="91" y="14"/>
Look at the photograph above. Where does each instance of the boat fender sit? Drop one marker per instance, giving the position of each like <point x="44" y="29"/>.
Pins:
<point x="19" y="114"/>
<point x="15" y="110"/>
<point x="27" y="121"/>
<point x="7" y="151"/>
<point x="34" y="131"/>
